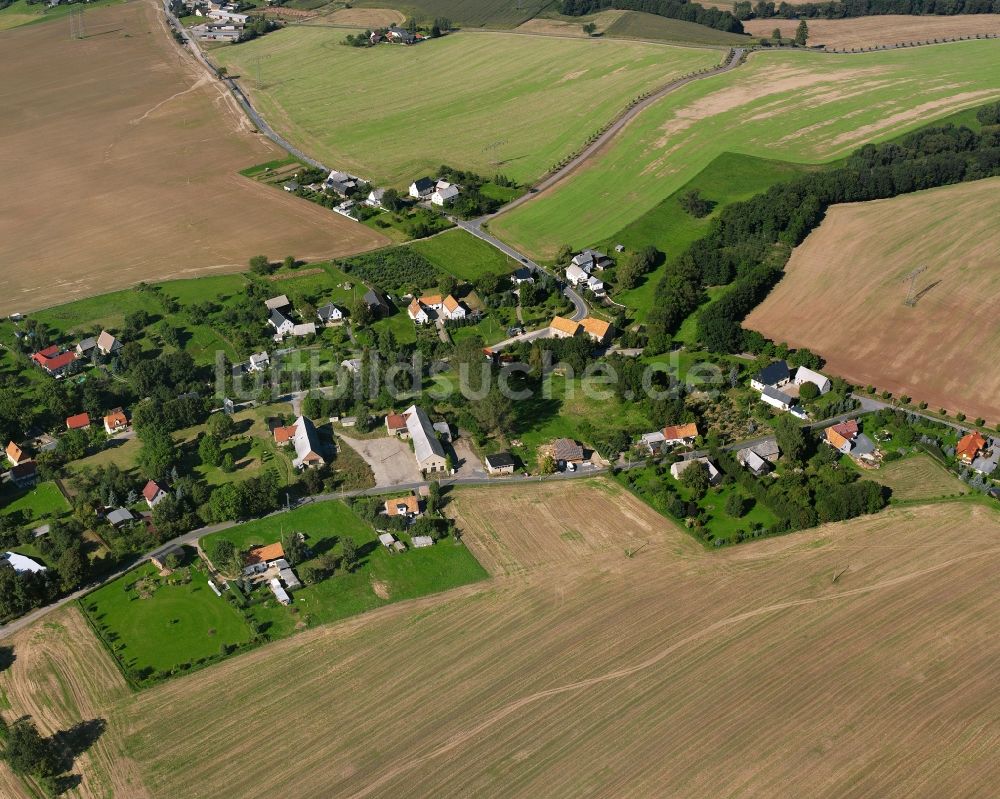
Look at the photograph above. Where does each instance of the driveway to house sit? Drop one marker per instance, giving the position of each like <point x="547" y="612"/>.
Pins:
<point x="467" y="463"/>
<point x="390" y="459"/>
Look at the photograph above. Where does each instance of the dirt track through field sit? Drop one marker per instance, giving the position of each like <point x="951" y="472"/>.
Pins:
<point x="844" y="289"/>
<point x="119" y="164"/>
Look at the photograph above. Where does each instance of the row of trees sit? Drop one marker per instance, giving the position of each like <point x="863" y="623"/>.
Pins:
<point x="749" y="241"/>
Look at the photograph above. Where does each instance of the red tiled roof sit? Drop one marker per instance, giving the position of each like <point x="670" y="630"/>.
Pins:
<point x="395" y="421"/>
<point x="78" y="421"/>
<point x="264" y="554"/>
<point x="116" y="418"/>
<point x="283" y="435"/>
<point x="411" y="502"/>
<point x="42" y="356"/>
<point x="675" y="432"/>
<point x="848" y="429"/>
<point x="151" y="490"/>
<point x="968" y="447"/>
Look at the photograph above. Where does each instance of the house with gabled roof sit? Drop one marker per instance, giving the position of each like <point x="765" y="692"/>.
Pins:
<point x="259" y="361"/>
<point x="775" y="374"/>
<point x="24" y="474"/>
<point x="969" y="446"/>
<point x="522" y="275"/>
<point x="427" y="448"/>
<point x="417" y="313"/>
<point x="776" y="398"/>
<point x="444" y="195"/>
<point x="677" y="469"/>
<point x="561" y="327"/>
<point x="576" y="275"/>
<point x="115" y="422"/>
<point x="408" y="507"/>
<point x="78" y="421"/>
<point x="306" y="443"/>
<point x="283" y="326"/>
<point x="499" y="463"/>
<point x="452" y="309"/>
<point x="842" y="436"/>
<point x="395" y="425"/>
<point x="421" y="188"/>
<point x="329" y="314"/>
<point x="805" y="375"/>
<point x="599" y="330"/>
<point x="54" y="361"/>
<point x="154" y="493"/>
<point x="107" y="344"/>
<point x="564" y="450"/>
<point x="15" y="454"/>
<point x="680" y="433"/>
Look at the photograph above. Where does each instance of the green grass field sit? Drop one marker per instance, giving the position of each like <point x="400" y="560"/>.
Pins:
<point x="796" y="106"/>
<point x="155" y="623"/>
<point x="403" y="576"/>
<point x="640" y="25"/>
<point x="44" y="501"/>
<point x="21" y="13"/>
<point x="463" y="255"/>
<point x="727" y="179"/>
<point x="490" y="102"/>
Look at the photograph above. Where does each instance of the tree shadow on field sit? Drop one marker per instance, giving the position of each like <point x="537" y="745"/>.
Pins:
<point x="7" y="657"/>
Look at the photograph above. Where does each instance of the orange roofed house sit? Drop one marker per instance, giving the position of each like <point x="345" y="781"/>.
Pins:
<point x="77" y="422"/>
<point x="599" y="330"/>
<point x="680" y="433"/>
<point x="841" y="436"/>
<point x="257" y="558"/>
<point x="561" y="327"/>
<point x="969" y="447"/>
<point x="403" y="506"/>
<point x="115" y="422"/>
<point x="15" y="454"/>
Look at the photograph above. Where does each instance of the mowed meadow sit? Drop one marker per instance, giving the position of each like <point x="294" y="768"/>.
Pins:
<point x="854" y="659"/>
<point x="489" y="102"/>
<point x="844" y="289"/>
<point x="120" y="163"/>
<point x="794" y="106"/>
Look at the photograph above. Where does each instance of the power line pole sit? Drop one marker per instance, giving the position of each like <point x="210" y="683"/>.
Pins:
<point x="256" y="61"/>
<point x="911" y="293"/>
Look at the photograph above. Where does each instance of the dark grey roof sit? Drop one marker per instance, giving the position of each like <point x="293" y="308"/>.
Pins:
<point x="424" y="183"/>
<point x="777" y="394"/>
<point x="278" y="318"/>
<point x="523" y="274"/>
<point x="373" y="299"/>
<point x="326" y="311"/>
<point x="773" y="373"/>
<point x="499" y="459"/>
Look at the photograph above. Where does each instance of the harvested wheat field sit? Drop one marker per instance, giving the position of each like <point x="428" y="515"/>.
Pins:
<point x="918" y="477"/>
<point x="840" y="34"/>
<point x="856" y="659"/>
<point x="844" y="289"/>
<point x="364" y="17"/>
<point x="120" y="164"/>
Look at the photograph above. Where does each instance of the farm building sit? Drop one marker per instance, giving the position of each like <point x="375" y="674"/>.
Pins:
<point x="424" y="187"/>
<point x="599" y="330"/>
<point x="427" y="448"/>
<point x="279" y="593"/>
<point x="278" y="303"/>
<point x="500" y="463"/>
<point x="804" y="375"/>
<point x="775" y="375"/>
<point x="776" y="399"/>
<point x="677" y="469"/>
<point x="120" y="516"/>
<point x="20" y="563"/>
<point x="752" y="462"/>
<point x="561" y="327"/>
<point x="306" y="443"/>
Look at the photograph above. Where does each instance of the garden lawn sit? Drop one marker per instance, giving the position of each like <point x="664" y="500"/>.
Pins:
<point x="486" y="102"/>
<point x="44" y="501"/>
<point x="463" y="255"/>
<point x="408" y="575"/>
<point x="176" y="624"/>
<point x="794" y="106"/>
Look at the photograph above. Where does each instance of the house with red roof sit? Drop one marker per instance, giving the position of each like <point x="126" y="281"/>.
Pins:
<point x="78" y="422"/>
<point x="53" y="361"/>
<point x="969" y="447"/>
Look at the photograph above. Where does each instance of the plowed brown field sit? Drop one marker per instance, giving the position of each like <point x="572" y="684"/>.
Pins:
<point x="852" y="660"/>
<point x="872" y="31"/>
<point x="119" y="163"/>
<point x="844" y="289"/>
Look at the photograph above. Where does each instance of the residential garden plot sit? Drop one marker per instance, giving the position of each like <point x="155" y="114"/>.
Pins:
<point x="155" y="624"/>
<point x="796" y="106"/>
<point x="414" y="573"/>
<point x="44" y="501"/>
<point x="878" y="30"/>
<point x="487" y="102"/>
<point x="918" y="477"/>
<point x="125" y="164"/>
<point x="930" y="351"/>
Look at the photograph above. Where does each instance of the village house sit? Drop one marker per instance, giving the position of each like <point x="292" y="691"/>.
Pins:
<point x="596" y="286"/>
<point x="589" y="260"/>
<point x="57" y="363"/>
<point x="752" y="462"/>
<point x="598" y="330"/>
<point x="107" y="344"/>
<point x="154" y="493"/>
<point x="444" y="195"/>
<point x="680" y="433"/>
<point x="259" y="361"/>
<point x="576" y="275"/>
<point x="399" y="36"/>
<point x="564" y="450"/>
<point x="561" y="327"/>
<point x="115" y="422"/>
<point x="775" y="375"/>
<point x="290" y="186"/>
<point x="374" y="198"/>
<point x="499" y="463"/>
<point x="119" y="517"/>
<point x="677" y="469"/>
<point x="407" y="507"/>
<point x="279" y="303"/>
<point x="25" y="474"/>
<point x="422" y="188"/>
<point x="804" y="375"/>
<point x="776" y="398"/>
<point x="351" y="365"/>
<point x="375" y="303"/>
<point x="260" y="558"/>
<point x="522" y="275"/>
<point x="86" y="346"/>
<point x="395" y="425"/>
<point x="417" y="313"/>
<point x="842" y="436"/>
<point x="969" y="447"/>
<point x="340" y="183"/>
<point x="330" y="315"/>
<point x="80" y="421"/>
<point x="283" y="326"/>
<point x="301" y="434"/>
<point x="15" y="454"/>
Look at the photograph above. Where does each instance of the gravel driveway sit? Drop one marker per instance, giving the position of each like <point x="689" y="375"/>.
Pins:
<point x="390" y="458"/>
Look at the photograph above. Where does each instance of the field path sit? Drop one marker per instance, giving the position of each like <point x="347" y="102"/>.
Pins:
<point x="496" y="716"/>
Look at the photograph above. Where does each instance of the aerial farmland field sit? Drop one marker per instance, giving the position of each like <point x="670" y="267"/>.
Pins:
<point x="795" y="106"/>
<point x="121" y="163"/>
<point x="867" y="651"/>
<point x="930" y="351"/>
<point x="490" y="102"/>
<point x="883" y="29"/>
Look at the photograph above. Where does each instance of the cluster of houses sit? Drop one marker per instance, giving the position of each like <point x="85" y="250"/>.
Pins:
<point x="434" y="307"/>
<point x="414" y="425"/>
<point x="659" y="441"/>
<point x="394" y="35"/>
<point x="301" y="436"/>
<point x="267" y="564"/>
<point x="279" y="317"/>
<point x="439" y="192"/>
<point x="408" y="508"/>
<point x="580" y="272"/>
<point x="598" y="330"/>
<point x="224" y="22"/>
<point x="58" y="362"/>
<point x="779" y="388"/>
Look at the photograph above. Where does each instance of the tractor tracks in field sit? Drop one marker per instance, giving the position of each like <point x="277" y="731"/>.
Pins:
<point x="496" y="716"/>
